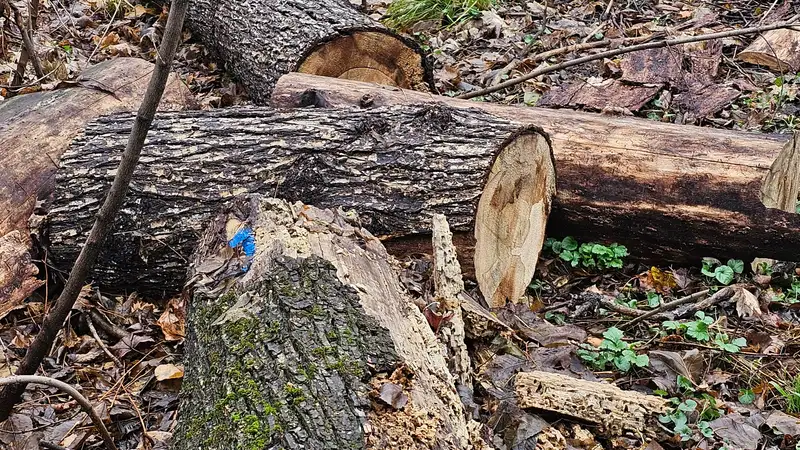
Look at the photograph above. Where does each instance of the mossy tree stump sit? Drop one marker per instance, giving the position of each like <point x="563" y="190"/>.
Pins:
<point x="297" y="324"/>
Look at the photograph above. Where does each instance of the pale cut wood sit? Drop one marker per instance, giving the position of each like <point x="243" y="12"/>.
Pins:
<point x="37" y="128"/>
<point x="670" y="193"/>
<point x="777" y="49"/>
<point x="449" y="285"/>
<point x="511" y="219"/>
<point x="396" y="166"/>
<point x="611" y="408"/>
<point x="782" y="182"/>
<point x="294" y="337"/>
<point x="260" y="40"/>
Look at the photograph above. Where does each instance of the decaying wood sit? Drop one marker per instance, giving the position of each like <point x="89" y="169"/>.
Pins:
<point x="260" y="40"/>
<point x="308" y="340"/>
<point x="17" y="272"/>
<point x="777" y="49"/>
<point x="449" y="285"/>
<point x="668" y="192"/>
<point x="38" y="127"/>
<point x="611" y="408"/>
<point x="396" y="166"/>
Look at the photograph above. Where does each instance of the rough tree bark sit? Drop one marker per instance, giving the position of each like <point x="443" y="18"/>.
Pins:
<point x="301" y="336"/>
<point x="260" y="40"/>
<point x="37" y="128"/>
<point x="669" y="192"/>
<point x="396" y="166"/>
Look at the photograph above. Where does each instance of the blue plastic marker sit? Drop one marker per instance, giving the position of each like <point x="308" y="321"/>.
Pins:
<point x="245" y="238"/>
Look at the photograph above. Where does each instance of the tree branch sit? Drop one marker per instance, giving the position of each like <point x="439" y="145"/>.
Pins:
<point x="144" y="118"/>
<point x="619" y="51"/>
<point x="64" y="387"/>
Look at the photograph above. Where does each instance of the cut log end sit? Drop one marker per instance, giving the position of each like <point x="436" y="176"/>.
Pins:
<point x="511" y="217"/>
<point x="371" y="56"/>
<point x="782" y="182"/>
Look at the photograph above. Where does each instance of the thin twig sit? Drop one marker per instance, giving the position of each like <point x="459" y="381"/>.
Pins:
<point x="623" y="50"/>
<point x="666" y="307"/>
<point x="144" y="118"/>
<point x="64" y="387"/>
<point x="27" y="42"/>
<point x="99" y="341"/>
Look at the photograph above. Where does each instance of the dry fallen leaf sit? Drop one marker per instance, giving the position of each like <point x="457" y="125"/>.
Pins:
<point x="747" y="305"/>
<point x="168" y="372"/>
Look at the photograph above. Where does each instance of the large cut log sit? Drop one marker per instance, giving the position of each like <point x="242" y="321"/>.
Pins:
<point x="300" y="336"/>
<point x="671" y="193"/>
<point x="396" y="166"/>
<point x="260" y="40"/>
<point x="36" y="128"/>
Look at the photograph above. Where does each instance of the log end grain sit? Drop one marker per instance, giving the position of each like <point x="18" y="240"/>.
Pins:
<point x="511" y="217"/>
<point x="371" y="56"/>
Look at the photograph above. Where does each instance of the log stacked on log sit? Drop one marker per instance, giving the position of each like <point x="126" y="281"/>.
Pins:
<point x="671" y="193"/>
<point x="260" y="40"/>
<point x="396" y="166"/>
<point x="301" y="336"/>
<point x="37" y="128"/>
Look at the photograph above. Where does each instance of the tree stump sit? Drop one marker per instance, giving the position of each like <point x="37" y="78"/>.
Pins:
<point x="260" y="40"/>
<point x="396" y="166"/>
<point x="301" y="336"/>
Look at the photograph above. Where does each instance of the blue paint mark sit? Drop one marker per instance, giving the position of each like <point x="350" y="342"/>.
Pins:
<point x="245" y="238"/>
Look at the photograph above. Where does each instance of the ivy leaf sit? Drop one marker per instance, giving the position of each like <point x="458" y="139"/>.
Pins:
<point x="737" y="265"/>
<point x="739" y="342"/>
<point x="569" y="243"/>
<point x="613" y="334"/>
<point x="641" y="360"/>
<point x="747" y="396"/>
<point x="724" y="275"/>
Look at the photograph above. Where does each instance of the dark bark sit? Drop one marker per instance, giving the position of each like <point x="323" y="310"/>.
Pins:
<point x="289" y="347"/>
<point x="396" y="166"/>
<point x="260" y="40"/>
<point x="670" y="193"/>
<point x="37" y="128"/>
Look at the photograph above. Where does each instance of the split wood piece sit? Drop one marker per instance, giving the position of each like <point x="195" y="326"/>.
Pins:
<point x="671" y="193"/>
<point x="303" y="343"/>
<point x="17" y="272"/>
<point x="37" y="128"/>
<point x="449" y="285"/>
<point x="260" y="40"/>
<point x="777" y="49"/>
<point x="396" y="166"/>
<point x="611" y="408"/>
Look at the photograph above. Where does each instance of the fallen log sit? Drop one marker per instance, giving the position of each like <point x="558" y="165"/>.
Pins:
<point x="304" y="338"/>
<point x="37" y="128"/>
<point x="260" y="40"/>
<point x="396" y="166"/>
<point x="670" y="193"/>
<point x="611" y="408"/>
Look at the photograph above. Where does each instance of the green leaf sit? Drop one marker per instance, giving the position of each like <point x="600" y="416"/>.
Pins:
<point x="724" y="275"/>
<point x="739" y="342"/>
<point x="685" y="383"/>
<point x="613" y="334"/>
<point x="660" y="393"/>
<point x="619" y="250"/>
<point x="622" y="363"/>
<point x="569" y="243"/>
<point x="747" y="396"/>
<point x="698" y="330"/>
<point x="641" y="360"/>
<point x="653" y="300"/>
<point x="687" y="405"/>
<point x="567" y="255"/>
<point x="737" y="265"/>
<point x="528" y="39"/>
<point x="598" y="249"/>
<point x="670" y="324"/>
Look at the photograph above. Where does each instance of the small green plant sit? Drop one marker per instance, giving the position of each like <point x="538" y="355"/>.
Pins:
<point x="588" y="255"/>
<point x="700" y="330"/>
<point x="722" y="341"/>
<point x="723" y="273"/>
<point x="613" y="350"/>
<point x="653" y="299"/>
<point x="402" y="14"/>
<point x="790" y="394"/>
<point x="747" y="396"/>
<point x="555" y="318"/>
<point x="693" y="409"/>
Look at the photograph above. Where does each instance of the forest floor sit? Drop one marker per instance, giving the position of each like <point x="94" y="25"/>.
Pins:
<point x="730" y="368"/>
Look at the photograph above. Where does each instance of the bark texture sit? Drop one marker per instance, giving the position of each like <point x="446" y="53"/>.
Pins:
<point x="300" y="336"/>
<point x="611" y="408"/>
<point x="396" y="166"/>
<point x="670" y="193"/>
<point x="260" y="40"/>
<point x="37" y="128"/>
